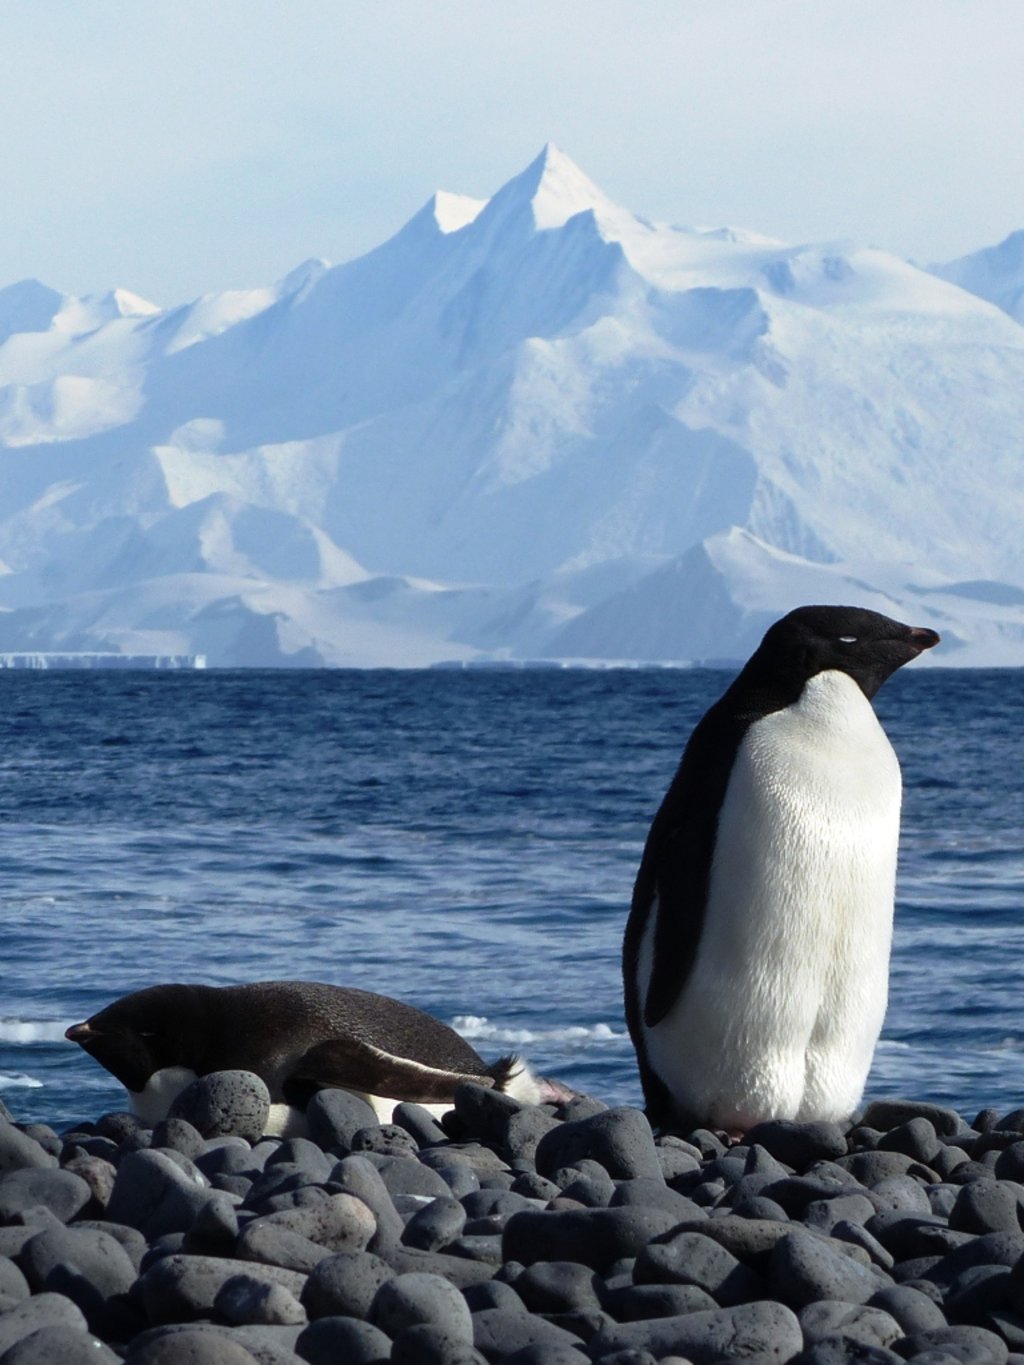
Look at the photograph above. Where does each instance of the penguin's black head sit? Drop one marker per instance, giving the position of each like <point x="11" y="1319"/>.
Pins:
<point x="138" y="1034"/>
<point x="863" y="644"/>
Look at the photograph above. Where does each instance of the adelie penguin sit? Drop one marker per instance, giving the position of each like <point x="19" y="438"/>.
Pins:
<point x="299" y="1037"/>
<point x="756" y="955"/>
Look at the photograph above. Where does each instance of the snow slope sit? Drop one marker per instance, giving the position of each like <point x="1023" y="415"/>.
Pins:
<point x="538" y="426"/>
<point x="995" y="273"/>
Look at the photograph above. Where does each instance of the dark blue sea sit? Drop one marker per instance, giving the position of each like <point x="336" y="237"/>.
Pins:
<point x="464" y="840"/>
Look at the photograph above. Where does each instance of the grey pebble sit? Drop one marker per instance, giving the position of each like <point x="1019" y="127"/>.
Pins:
<point x="524" y="1131"/>
<point x="824" y="1214"/>
<point x="389" y="1139"/>
<point x="767" y="1331"/>
<point x="335" y="1116"/>
<point x="216" y="1223"/>
<point x="534" y="1186"/>
<point x="88" y="1266"/>
<point x="756" y="1206"/>
<point x="991" y="1248"/>
<point x="620" y="1140"/>
<point x="285" y="1185"/>
<point x="797" y="1192"/>
<point x="180" y="1287"/>
<point x="459" y="1177"/>
<point x="435" y="1225"/>
<point x="888" y="1114"/>
<point x="915" y="1138"/>
<point x="868" y="1168"/>
<point x="750" y="1242"/>
<point x="477" y="1247"/>
<point x="975" y="1293"/>
<point x="408" y="1300"/>
<point x="558" y="1287"/>
<point x="130" y="1239"/>
<point x="41" y="1310"/>
<point x="227" y="1156"/>
<point x="179" y="1135"/>
<point x="901" y="1192"/>
<point x="267" y="1243"/>
<point x="225" y="1102"/>
<point x="1010" y="1163"/>
<point x="98" y="1174"/>
<point x="304" y="1155"/>
<point x="243" y="1299"/>
<point x="805" y="1268"/>
<point x="119" y="1126"/>
<point x="59" y="1345"/>
<point x="431" y="1343"/>
<point x="18" y="1151"/>
<point x="481" y="1111"/>
<point x="492" y="1294"/>
<point x="635" y="1302"/>
<point x="970" y="1345"/>
<point x="594" y="1237"/>
<point x="459" y="1270"/>
<point x="498" y="1333"/>
<point x="798" y="1144"/>
<point x="188" y="1346"/>
<point x="345" y="1285"/>
<point x="402" y="1176"/>
<point x="655" y="1194"/>
<point x="913" y="1310"/>
<point x="986" y="1206"/>
<point x="331" y="1341"/>
<point x="62" y="1192"/>
<point x="870" y="1326"/>
<point x="14" y="1287"/>
<point x="591" y="1190"/>
<point x="546" y="1353"/>
<point x="839" y="1349"/>
<point x="481" y="1203"/>
<point x="269" y="1345"/>
<point x="357" y="1176"/>
<point x="152" y="1192"/>
<point x="692" y="1258"/>
<point x="856" y="1234"/>
<point x="339" y="1222"/>
<point x="420" y="1123"/>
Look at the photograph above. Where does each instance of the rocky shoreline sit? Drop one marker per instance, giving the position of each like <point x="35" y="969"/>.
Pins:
<point x="550" y="1235"/>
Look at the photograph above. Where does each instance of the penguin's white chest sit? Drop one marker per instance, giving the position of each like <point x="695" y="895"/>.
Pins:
<point x="784" y="1003"/>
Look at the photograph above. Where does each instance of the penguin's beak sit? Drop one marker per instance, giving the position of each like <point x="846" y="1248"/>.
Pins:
<point x="80" y="1033"/>
<point x="921" y="639"/>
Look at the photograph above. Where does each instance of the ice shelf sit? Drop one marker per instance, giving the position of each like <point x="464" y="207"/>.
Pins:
<point x="97" y="660"/>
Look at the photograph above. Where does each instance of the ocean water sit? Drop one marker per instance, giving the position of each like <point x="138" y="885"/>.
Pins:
<point x="464" y="840"/>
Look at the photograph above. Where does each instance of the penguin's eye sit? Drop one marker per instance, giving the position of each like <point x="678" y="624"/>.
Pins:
<point x="847" y="639"/>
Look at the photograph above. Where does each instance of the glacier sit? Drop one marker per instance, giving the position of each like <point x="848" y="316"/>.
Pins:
<point x="537" y="427"/>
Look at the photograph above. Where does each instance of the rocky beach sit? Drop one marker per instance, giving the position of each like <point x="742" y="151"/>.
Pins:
<point x="533" y="1235"/>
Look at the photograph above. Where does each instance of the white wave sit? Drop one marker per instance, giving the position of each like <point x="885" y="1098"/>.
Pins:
<point x="17" y="1080"/>
<point x="32" y="1031"/>
<point x="475" y="1026"/>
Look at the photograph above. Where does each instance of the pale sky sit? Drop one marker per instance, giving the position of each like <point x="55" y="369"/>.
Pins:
<point x="175" y="147"/>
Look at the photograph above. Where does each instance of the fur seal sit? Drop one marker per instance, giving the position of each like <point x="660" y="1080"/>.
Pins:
<point x="299" y="1037"/>
<point x="756" y="953"/>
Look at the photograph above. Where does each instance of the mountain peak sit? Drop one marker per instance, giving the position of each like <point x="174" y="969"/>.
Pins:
<point x="995" y="273"/>
<point x="556" y="190"/>
<point x="454" y="211"/>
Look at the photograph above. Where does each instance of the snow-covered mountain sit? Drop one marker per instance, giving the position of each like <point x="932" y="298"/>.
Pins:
<point x="532" y="427"/>
<point x="995" y="273"/>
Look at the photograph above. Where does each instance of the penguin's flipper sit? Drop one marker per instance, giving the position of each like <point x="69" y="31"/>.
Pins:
<point x="678" y="897"/>
<point x="350" y="1064"/>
